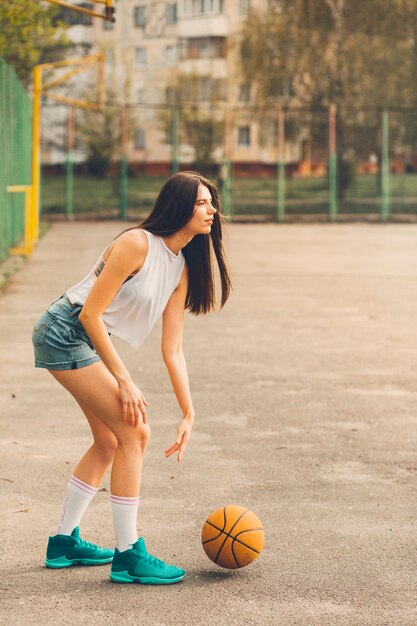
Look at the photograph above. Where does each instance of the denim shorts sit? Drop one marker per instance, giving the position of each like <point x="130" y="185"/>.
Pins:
<point x="59" y="339"/>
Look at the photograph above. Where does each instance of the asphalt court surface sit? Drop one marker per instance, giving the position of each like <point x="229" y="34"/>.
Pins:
<point x="305" y="393"/>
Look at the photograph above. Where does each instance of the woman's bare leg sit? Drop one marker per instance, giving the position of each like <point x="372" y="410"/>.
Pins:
<point x="93" y="465"/>
<point x="96" y="391"/>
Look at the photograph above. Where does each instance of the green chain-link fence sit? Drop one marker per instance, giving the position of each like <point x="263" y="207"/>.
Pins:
<point x="352" y="163"/>
<point x="15" y="156"/>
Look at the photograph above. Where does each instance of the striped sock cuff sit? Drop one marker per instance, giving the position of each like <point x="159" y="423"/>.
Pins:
<point x="124" y="500"/>
<point x="76" y="482"/>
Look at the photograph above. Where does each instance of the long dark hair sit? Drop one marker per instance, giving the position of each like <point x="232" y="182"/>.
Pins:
<point x="172" y="210"/>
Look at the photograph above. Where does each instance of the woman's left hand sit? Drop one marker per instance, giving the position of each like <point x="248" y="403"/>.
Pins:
<point x="183" y="436"/>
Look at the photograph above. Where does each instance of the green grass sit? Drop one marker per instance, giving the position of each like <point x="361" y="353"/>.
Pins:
<point x="98" y="195"/>
<point x="250" y="196"/>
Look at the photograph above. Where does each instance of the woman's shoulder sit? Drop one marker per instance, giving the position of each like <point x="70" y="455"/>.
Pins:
<point x="133" y="242"/>
<point x="137" y="237"/>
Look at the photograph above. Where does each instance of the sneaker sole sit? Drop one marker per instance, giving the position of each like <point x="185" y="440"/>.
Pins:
<point x="125" y="577"/>
<point x="62" y="561"/>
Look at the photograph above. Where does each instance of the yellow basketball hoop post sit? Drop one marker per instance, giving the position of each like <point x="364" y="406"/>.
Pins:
<point x="79" y="64"/>
<point x="27" y="247"/>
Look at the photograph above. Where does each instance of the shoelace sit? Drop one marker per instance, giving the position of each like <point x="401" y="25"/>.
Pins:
<point x="153" y="560"/>
<point x="86" y="544"/>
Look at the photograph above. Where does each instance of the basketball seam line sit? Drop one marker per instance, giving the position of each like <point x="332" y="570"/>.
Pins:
<point x="231" y="537"/>
<point x="233" y="552"/>
<point x="221" y="547"/>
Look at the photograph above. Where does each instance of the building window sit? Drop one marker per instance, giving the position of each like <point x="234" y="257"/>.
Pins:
<point x="221" y="86"/>
<point x="244" y="92"/>
<point x="139" y="16"/>
<point x="75" y="18"/>
<point x="244" y="8"/>
<point x="205" y="48"/>
<point x="268" y="132"/>
<point x="171" y="55"/>
<point x="276" y="6"/>
<point x="243" y="136"/>
<point x="209" y="88"/>
<point x="171" y="14"/>
<point x="107" y="25"/>
<point x="168" y="134"/>
<point x="109" y="56"/>
<point x="170" y="95"/>
<point x="140" y="95"/>
<point x="140" y="57"/>
<point x="139" y="139"/>
<point x="205" y="88"/>
<point x="202" y="7"/>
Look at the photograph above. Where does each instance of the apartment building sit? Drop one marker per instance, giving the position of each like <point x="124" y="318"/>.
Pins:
<point x="155" y="42"/>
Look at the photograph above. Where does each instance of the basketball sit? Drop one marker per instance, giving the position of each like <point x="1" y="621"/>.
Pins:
<point x="232" y="536"/>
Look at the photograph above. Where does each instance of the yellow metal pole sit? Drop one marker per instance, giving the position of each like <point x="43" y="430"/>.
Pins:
<point x="27" y="248"/>
<point x="29" y="241"/>
<point x="73" y="72"/>
<point x="36" y="147"/>
<point x="38" y="89"/>
<point x="72" y="61"/>
<point x="73" y="7"/>
<point x="82" y="104"/>
<point x="101" y="85"/>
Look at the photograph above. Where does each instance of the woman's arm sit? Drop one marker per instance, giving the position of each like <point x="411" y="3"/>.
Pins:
<point x="174" y="359"/>
<point x="127" y="255"/>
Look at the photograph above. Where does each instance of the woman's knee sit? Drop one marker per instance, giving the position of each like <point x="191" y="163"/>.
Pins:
<point x="135" y="436"/>
<point x="106" y="446"/>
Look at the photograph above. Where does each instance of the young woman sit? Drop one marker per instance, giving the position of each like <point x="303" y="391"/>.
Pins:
<point x="159" y="268"/>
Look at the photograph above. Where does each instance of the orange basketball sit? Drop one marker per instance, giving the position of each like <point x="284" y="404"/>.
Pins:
<point x="232" y="536"/>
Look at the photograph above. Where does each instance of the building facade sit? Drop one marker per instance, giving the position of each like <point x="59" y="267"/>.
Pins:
<point x="154" y="51"/>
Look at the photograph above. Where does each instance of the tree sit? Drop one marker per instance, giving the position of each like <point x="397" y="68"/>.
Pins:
<point x="201" y="120"/>
<point x="99" y="132"/>
<point x="346" y="52"/>
<point x="30" y="33"/>
<point x="350" y="53"/>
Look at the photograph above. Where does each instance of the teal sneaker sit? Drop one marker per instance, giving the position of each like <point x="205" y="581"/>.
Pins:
<point x="137" y="566"/>
<point x="67" y="550"/>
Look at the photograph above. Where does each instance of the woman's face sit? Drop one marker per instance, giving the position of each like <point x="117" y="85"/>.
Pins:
<point x="204" y="211"/>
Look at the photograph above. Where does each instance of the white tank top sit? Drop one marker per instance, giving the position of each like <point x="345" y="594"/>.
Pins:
<point x="141" y="299"/>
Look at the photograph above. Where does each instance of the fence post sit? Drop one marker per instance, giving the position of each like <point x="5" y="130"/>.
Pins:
<point x="69" y="189"/>
<point x="281" y="167"/>
<point x="385" y="174"/>
<point x="226" y="167"/>
<point x="123" y="163"/>
<point x="175" y="166"/>
<point x="226" y="173"/>
<point x="332" y="164"/>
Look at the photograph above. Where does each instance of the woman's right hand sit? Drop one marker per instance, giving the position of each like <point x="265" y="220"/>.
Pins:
<point x="134" y="403"/>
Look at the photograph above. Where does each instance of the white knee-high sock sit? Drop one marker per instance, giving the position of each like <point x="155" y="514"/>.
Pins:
<point x="77" y="499"/>
<point x="125" y="511"/>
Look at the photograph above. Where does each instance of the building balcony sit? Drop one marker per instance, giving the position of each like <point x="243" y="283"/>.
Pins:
<point x="80" y="34"/>
<point x="203" y="26"/>
<point x="204" y="67"/>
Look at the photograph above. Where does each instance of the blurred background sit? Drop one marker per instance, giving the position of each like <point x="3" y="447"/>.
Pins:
<point x="297" y="109"/>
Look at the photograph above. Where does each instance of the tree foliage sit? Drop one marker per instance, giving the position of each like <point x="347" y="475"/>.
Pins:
<point x="30" y="34"/>
<point x="200" y="120"/>
<point x="347" y="52"/>
<point x="100" y="135"/>
<point x="353" y="53"/>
